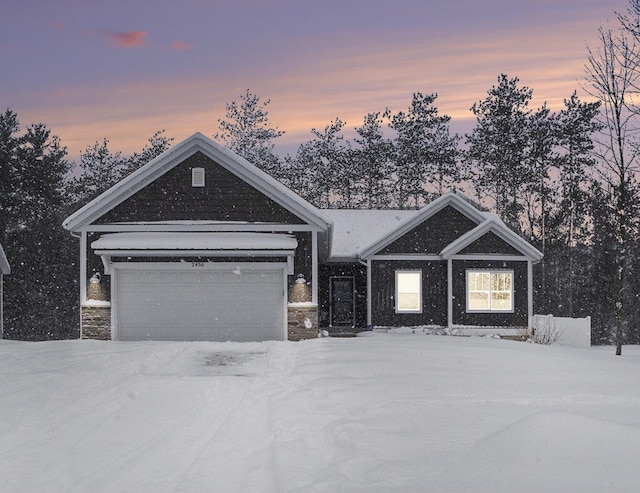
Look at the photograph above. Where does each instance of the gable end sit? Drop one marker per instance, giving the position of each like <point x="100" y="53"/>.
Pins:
<point x="433" y="234"/>
<point x="223" y="196"/>
<point x="490" y="243"/>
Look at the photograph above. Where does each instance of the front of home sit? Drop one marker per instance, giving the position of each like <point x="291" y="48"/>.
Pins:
<point x="199" y="244"/>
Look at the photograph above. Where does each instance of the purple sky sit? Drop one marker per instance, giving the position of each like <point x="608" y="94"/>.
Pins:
<point x="124" y="69"/>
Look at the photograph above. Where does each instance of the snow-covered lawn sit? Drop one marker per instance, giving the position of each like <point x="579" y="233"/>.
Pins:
<point x="386" y="412"/>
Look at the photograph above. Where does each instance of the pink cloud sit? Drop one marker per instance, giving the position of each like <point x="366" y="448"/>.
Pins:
<point x="181" y="46"/>
<point x="130" y="39"/>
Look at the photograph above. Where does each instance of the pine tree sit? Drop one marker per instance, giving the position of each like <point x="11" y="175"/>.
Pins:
<point x="425" y="151"/>
<point x="497" y="147"/>
<point x="371" y="161"/>
<point x="247" y="132"/>
<point x="40" y="291"/>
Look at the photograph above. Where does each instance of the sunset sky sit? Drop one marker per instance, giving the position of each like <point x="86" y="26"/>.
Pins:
<point x="125" y="68"/>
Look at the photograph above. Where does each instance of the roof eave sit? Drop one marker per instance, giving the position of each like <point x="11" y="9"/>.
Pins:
<point x="155" y="168"/>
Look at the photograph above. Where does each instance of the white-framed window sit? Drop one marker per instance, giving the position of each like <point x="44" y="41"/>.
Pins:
<point x="408" y="291"/>
<point x="489" y="291"/>
<point x="197" y="177"/>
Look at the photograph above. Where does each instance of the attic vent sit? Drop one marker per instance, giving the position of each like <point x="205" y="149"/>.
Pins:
<point x="197" y="177"/>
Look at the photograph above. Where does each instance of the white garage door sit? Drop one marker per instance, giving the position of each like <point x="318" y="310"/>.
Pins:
<point x="199" y="302"/>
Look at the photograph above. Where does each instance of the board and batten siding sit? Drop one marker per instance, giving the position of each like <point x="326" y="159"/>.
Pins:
<point x="432" y="235"/>
<point x="434" y="293"/>
<point x="518" y="318"/>
<point x="225" y="197"/>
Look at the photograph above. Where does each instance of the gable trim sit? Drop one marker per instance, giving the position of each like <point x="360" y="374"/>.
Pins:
<point x="449" y="199"/>
<point x="492" y="225"/>
<point x="4" y="263"/>
<point x="233" y="163"/>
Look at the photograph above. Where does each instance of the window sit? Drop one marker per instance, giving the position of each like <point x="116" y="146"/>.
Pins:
<point x="197" y="177"/>
<point x="489" y="291"/>
<point x="408" y="291"/>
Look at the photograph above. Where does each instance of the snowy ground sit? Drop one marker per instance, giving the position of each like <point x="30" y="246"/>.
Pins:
<point x="386" y="412"/>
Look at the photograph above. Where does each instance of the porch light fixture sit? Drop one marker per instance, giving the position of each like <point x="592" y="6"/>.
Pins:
<point x="95" y="278"/>
<point x="299" y="292"/>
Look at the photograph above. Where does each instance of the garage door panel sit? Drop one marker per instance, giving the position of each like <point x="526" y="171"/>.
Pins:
<point x="230" y="304"/>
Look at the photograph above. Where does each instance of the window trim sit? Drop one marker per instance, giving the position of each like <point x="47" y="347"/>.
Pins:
<point x="397" y="293"/>
<point x="490" y="272"/>
<point x="197" y="177"/>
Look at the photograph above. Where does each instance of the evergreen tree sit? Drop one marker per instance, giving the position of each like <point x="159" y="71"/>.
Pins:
<point x="569" y="222"/>
<point x="425" y="151"/>
<point x="101" y="168"/>
<point x="323" y="167"/>
<point x="371" y="161"/>
<point x="498" y="146"/>
<point x="246" y="131"/>
<point x="39" y="293"/>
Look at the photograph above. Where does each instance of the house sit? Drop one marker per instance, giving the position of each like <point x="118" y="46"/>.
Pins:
<point x="199" y="244"/>
<point x="4" y="269"/>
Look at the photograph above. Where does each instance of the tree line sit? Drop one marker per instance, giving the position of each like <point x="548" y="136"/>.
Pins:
<point x="565" y="180"/>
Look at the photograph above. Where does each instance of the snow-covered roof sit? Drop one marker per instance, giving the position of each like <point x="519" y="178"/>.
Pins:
<point x="355" y="229"/>
<point x="198" y="142"/>
<point x="449" y="199"/>
<point x="494" y="225"/>
<point x="194" y="241"/>
<point x="363" y="233"/>
<point x="4" y="263"/>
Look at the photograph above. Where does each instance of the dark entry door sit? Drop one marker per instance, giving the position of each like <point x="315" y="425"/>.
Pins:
<point x="342" y="311"/>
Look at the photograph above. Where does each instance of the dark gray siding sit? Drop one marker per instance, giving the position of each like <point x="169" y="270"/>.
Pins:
<point x="432" y="235"/>
<point x="520" y="315"/>
<point x="224" y="198"/>
<point x="434" y="293"/>
<point x="359" y="273"/>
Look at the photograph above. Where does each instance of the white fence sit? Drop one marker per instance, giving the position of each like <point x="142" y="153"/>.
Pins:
<point x="575" y="332"/>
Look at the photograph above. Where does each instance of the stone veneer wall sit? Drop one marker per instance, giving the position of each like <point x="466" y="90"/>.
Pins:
<point x="96" y="322"/>
<point x="297" y="314"/>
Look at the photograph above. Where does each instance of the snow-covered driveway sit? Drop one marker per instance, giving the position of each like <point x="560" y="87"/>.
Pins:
<point x="379" y="413"/>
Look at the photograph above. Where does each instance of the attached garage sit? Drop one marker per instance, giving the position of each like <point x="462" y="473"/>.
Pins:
<point x="200" y="301"/>
<point x="197" y="286"/>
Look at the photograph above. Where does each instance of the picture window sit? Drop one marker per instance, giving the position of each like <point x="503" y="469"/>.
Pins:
<point x="489" y="291"/>
<point x="408" y="291"/>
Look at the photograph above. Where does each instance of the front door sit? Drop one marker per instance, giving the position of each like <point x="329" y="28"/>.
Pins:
<point x="342" y="312"/>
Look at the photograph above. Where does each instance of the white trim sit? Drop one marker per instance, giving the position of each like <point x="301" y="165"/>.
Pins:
<point x="1" y="305"/>
<point x="121" y="266"/>
<point x="5" y="268"/>
<point x="397" y="293"/>
<point x="314" y="267"/>
<point x="490" y="258"/>
<point x="450" y="199"/>
<point x="171" y="158"/>
<point x="194" y="253"/>
<point x="83" y="272"/>
<point x="197" y="227"/>
<point x="369" y="296"/>
<point x="491" y="272"/>
<point x="450" y="293"/>
<point x="496" y="226"/>
<point x="430" y="258"/>
<point x="529" y="294"/>
<point x="197" y="177"/>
